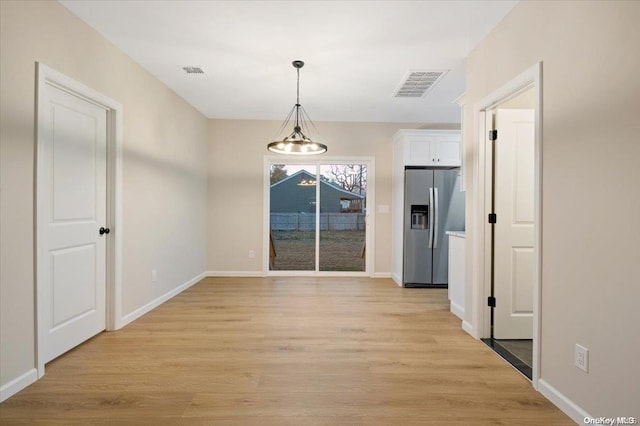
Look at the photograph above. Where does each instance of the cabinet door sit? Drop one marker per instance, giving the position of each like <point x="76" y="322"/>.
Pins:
<point x="419" y="151"/>
<point x="456" y="275"/>
<point x="447" y="151"/>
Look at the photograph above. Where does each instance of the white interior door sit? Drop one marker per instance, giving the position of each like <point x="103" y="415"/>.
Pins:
<point x="71" y="210"/>
<point x="514" y="231"/>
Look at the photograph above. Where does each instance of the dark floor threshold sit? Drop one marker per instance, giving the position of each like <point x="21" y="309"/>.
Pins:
<point x="417" y="285"/>
<point x="509" y="357"/>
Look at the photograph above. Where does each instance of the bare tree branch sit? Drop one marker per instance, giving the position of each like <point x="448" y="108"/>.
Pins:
<point x="351" y="177"/>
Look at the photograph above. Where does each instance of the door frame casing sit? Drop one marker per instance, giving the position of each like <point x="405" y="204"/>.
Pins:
<point x="113" y="262"/>
<point x="481" y="249"/>
<point x="269" y="160"/>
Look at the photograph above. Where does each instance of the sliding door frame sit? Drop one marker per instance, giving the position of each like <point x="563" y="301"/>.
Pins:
<point x="369" y="162"/>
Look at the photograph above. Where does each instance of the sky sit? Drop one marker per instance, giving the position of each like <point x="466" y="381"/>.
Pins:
<point x="291" y="169"/>
<point x="311" y="168"/>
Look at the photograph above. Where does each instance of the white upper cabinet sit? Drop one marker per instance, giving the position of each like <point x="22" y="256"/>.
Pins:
<point x="447" y="152"/>
<point x="428" y="147"/>
<point x="418" y="149"/>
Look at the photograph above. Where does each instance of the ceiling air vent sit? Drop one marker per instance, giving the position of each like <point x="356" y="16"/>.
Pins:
<point x="417" y="83"/>
<point x="193" y="70"/>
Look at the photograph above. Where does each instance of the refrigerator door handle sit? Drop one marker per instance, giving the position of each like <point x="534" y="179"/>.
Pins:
<point x="430" y="217"/>
<point x="436" y="208"/>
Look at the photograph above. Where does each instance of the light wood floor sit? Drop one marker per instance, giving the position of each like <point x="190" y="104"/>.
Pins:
<point x="286" y="351"/>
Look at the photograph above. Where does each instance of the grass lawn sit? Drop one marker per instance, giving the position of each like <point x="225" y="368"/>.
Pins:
<point x="339" y="250"/>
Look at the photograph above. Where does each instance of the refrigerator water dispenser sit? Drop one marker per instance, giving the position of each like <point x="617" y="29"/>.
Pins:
<point x="419" y="216"/>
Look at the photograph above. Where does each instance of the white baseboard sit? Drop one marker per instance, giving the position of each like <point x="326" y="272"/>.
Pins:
<point x="457" y="310"/>
<point x="381" y="275"/>
<point x="235" y="274"/>
<point x="159" y="300"/>
<point x="17" y="384"/>
<point x="397" y="279"/>
<point x="567" y="406"/>
<point x="468" y="328"/>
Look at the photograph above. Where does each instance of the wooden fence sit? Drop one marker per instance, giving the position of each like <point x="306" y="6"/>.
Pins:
<point x="307" y="221"/>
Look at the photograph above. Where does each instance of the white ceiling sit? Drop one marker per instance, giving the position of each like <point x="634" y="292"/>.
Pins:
<point x="356" y="53"/>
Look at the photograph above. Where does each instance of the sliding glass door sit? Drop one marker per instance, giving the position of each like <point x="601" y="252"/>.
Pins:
<point x="292" y="210"/>
<point x="342" y="244"/>
<point x="317" y="217"/>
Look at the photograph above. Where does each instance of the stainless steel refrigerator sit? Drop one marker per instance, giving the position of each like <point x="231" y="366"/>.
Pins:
<point x="433" y="204"/>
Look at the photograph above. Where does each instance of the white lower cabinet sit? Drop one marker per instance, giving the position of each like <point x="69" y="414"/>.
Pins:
<point x="457" y="273"/>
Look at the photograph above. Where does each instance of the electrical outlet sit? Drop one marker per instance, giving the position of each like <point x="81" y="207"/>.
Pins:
<point x="582" y="358"/>
<point x="154" y="276"/>
<point x="252" y="254"/>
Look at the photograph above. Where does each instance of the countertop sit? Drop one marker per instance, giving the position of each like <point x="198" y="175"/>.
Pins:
<point x="456" y="233"/>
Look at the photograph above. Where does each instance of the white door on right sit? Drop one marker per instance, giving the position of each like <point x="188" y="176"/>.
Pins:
<point x="514" y="230"/>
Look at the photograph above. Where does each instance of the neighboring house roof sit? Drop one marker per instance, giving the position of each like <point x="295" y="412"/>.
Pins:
<point x="329" y="184"/>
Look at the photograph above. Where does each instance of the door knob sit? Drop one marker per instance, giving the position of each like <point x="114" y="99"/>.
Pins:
<point x="104" y="230"/>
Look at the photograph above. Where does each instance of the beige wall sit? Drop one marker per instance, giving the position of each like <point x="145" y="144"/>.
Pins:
<point x="164" y="170"/>
<point x="591" y="173"/>
<point x="236" y="157"/>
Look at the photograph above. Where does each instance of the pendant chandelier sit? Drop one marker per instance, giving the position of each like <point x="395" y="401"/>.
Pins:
<point x="297" y="143"/>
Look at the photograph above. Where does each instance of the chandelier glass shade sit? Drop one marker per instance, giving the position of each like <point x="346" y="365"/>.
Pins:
<point x="297" y="143"/>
